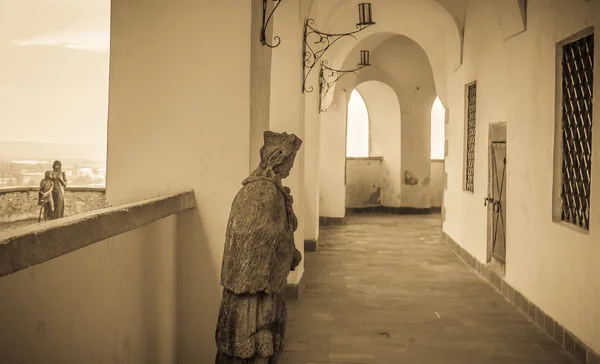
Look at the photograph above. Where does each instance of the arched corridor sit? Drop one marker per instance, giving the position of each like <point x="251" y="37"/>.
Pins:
<point x="207" y="99"/>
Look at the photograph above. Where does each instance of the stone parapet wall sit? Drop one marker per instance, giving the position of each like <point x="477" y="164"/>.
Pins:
<point x="21" y="203"/>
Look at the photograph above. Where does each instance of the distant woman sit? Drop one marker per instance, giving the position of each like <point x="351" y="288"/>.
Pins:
<point x="58" y="192"/>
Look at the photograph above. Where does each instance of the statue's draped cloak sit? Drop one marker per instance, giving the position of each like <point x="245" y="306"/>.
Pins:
<point x="259" y="243"/>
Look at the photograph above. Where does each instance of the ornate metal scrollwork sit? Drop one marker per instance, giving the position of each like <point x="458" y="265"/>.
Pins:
<point x="312" y="56"/>
<point x="329" y="76"/>
<point x="265" y="23"/>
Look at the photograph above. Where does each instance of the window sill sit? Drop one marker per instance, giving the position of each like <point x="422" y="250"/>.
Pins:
<point x="572" y="227"/>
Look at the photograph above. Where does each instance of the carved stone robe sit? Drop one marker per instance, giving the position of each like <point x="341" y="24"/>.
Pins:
<point x="258" y="256"/>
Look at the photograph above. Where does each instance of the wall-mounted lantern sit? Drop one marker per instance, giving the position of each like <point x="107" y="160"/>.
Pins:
<point x="365" y="16"/>
<point x="312" y="56"/>
<point x="265" y="22"/>
<point x="329" y="76"/>
<point x="365" y="58"/>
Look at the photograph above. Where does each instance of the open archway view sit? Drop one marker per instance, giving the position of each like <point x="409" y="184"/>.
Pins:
<point x="399" y="90"/>
<point x="437" y="129"/>
<point x="357" y="141"/>
<point x="374" y="179"/>
<point x="438" y="142"/>
<point x="53" y="107"/>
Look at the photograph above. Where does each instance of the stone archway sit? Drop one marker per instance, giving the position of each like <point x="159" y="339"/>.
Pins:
<point x="385" y="137"/>
<point x="402" y="65"/>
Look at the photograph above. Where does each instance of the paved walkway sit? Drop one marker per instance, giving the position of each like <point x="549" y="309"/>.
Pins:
<point x="384" y="289"/>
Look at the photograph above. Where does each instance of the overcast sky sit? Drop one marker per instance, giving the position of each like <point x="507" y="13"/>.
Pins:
<point x="54" y="70"/>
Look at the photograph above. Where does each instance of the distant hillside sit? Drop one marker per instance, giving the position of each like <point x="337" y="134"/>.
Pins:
<point x="11" y="150"/>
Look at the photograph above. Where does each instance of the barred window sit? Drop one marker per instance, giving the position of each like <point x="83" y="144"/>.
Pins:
<point x="577" y="94"/>
<point x="470" y="136"/>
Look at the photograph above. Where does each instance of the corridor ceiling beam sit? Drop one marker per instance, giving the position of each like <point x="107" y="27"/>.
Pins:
<point x="513" y="17"/>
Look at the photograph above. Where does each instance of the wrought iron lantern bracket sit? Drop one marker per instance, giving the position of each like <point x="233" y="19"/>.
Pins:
<point x="312" y="56"/>
<point x="265" y="22"/>
<point x="329" y="76"/>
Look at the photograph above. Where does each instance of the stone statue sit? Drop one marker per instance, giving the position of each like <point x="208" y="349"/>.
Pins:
<point x="58" y="192"/>
<point x="259" y="254"/>
<point x="45" y="199"/>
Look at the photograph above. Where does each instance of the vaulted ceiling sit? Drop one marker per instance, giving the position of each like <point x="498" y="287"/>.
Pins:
<point x="456" y="8"/>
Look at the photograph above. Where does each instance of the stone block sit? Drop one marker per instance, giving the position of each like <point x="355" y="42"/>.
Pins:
<point x="549" y="326"/>
<point x="310" y="245"/>
<point x="524" y="305"/>
<point x="579" y="350"/>
<point x="540" y="317"/>
<point x="592" y="357"/>
<point x="531" y="311"/>
<point x="569" y="342"/>
<point x="558" y="333"/>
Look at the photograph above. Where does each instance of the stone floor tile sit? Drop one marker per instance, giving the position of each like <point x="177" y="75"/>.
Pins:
<point x="385" y="289"/>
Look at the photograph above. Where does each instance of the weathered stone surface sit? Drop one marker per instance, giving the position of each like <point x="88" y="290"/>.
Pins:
<point x="21" y="203"/>
<point x="30" y="245"/>
<point x="258" y="256"/>
<point x="57" y="209"/>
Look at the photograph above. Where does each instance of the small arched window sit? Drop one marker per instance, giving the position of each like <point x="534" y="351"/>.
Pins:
<point x="438" y="115"/>
<point x="357" y="142"/>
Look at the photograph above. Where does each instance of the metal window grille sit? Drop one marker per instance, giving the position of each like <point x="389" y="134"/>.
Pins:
<point x="577" y="93"/>
<point x="471" y="110"/>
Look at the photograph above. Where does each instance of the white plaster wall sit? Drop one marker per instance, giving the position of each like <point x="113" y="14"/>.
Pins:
<point x="260" y="84"/>
<point x="311" y="177"/>
<point x="363" y="182"/>
<point x="287" y="106"/>
<point x="312" y="160"/>
<point x="113" y="301"/>
<point x="385" y="136"/>
<point x="312" y="185"/>
<point x="437" y="183"/>
<point x="552" y="265"/>
<point x="179" y="118"/>
<point x="332" y="166"/>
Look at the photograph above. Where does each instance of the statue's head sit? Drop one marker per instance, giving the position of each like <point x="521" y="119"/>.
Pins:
<point x="278" y="153"/>
<point x="56" y="165"/>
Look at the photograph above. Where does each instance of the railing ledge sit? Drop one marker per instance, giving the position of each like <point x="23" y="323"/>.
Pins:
<point x="5" y="190"/>
<point x="30" y="245"/>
